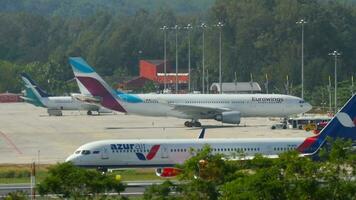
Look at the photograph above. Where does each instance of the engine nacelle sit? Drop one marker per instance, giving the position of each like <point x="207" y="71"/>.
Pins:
<point x="168" y="172"/>
<point x="229" y="117"/>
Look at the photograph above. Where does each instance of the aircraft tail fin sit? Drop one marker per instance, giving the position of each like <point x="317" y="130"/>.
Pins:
<point x="30" y="82"/>
<point x="33" y="93"/>
<point x="342" y="125"/>
<point x="202" y="134"/>
<point x="94" y="84"/>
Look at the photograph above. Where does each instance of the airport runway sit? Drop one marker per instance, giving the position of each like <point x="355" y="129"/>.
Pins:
<point x="28" y="134"/>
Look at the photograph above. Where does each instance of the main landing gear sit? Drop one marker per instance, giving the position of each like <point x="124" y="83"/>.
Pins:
<point x="193" y="123"/>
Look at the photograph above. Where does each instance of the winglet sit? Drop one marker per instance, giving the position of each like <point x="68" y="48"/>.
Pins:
<point x="202" y="133"/>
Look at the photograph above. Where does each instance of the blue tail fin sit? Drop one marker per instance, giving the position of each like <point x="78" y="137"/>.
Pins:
<point x="28" y="81"/>
<point x="342" y="125"/>
<point x="202" y="133"/>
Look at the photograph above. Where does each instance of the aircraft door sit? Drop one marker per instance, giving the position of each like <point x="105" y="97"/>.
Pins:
<point x="104" y="154"/>
<point x="164" y="152"/>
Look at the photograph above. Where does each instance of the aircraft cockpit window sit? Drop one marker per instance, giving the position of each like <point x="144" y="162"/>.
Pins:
<point x="77" y="152"/>
<point x="96" y="152"/>
<point x="301" y="101"/>
<point x="85" y="152"/>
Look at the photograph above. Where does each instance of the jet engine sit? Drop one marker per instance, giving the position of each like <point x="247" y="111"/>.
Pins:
<point x="229" y="117"/>
<point x="168" y="172"/>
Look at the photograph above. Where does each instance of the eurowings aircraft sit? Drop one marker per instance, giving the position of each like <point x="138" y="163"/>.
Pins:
<point x="227" y="108"/>
<point x="164" y="154"/>
<point x="35" y="95"/>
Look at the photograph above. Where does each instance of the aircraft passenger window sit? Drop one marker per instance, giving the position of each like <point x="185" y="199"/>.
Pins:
<point x="85" y="152"/>
<point x="96" y="152"/>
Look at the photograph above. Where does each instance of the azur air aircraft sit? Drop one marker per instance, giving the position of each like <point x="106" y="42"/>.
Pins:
<point x="227" y="108"/>
<point x="164" y="154"/>
<point x="35" y="95"/>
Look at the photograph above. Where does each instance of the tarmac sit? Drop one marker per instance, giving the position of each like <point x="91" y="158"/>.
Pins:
<point x="28" y="134"/>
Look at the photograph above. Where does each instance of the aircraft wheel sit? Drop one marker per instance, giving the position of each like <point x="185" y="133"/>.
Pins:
<point x="89" y="112"/>
<point x="186" y="123"/>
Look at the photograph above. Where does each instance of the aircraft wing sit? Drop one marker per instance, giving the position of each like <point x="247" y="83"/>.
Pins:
<point x="198" y="111"/>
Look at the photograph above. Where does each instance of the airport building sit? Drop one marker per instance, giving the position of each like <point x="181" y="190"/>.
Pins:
<point x="153" y="71"/>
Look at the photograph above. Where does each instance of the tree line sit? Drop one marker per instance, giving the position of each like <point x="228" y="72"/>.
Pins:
<point x="258" y="37"/>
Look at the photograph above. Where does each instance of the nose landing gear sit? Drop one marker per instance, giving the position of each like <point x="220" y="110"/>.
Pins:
<point x="193" y="123"/>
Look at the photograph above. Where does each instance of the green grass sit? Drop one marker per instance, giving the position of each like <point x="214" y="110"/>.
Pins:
<point x="21" y="174"/>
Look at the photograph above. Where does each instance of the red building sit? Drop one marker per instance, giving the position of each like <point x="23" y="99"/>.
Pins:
<point x="10" y="98"/>
<point x="153" y="70"/>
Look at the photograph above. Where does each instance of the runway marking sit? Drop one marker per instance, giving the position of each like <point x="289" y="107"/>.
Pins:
<point x="11" y="143"/>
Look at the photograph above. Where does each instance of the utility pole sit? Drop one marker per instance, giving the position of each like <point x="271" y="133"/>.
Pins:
<point x="335" y="54"/>
<point x="235" y="80"/>
<point x="203" y="26"/>
<point x="189" y="27"/>
<point x="329" y="88"/>
<point x="352" y="85"/>
<point x="165" y="28"/>
<point x="176" y="28"/>
<point x="287" y="85"/>
<point x="207" y="81"/>
<point x="302" y="22"/>
<point x="220" y="25"/>
<point x="266" y="83"/>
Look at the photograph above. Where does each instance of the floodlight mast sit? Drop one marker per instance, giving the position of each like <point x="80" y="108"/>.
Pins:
<point x="165" y="28"/>
<point x="220" y="25"/>
<point x="189" y="27"/>
<point x="203" y="26"/>
<point x="302" y="22"/>
<point x="335" y="54"/>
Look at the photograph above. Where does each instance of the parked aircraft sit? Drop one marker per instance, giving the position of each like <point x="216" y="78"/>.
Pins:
<point x="35" y="95"/>
<point x="164" y="154"/>
<point x="227" y="108"/>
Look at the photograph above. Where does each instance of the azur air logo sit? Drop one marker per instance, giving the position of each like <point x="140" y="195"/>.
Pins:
<point x="139" y="149"/>
<point x="151" y="154"/>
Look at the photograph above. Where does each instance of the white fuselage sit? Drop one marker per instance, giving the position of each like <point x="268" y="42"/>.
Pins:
<point x="163" y="153"/>
<point x="249" y="105"/>
<point x="70" y="103"/>
<point x="66" y="103"/>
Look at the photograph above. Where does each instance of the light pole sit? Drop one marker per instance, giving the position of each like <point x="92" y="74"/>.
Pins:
<point x="189" y="27"/>
<point x="176" y="28"/>
<point x="329" y="90"/>
<point x="352" y="85"/>
<point x="165" y="28"/>
<point x="302" y="22"/>
<point x="203" y="26"/>
<point x="220" y="25"/>
<point x="335" y="54"/>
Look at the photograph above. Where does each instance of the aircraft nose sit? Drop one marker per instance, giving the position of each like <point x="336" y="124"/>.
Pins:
<point x="73" y="159"/>
<point x="307" y="107"/>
